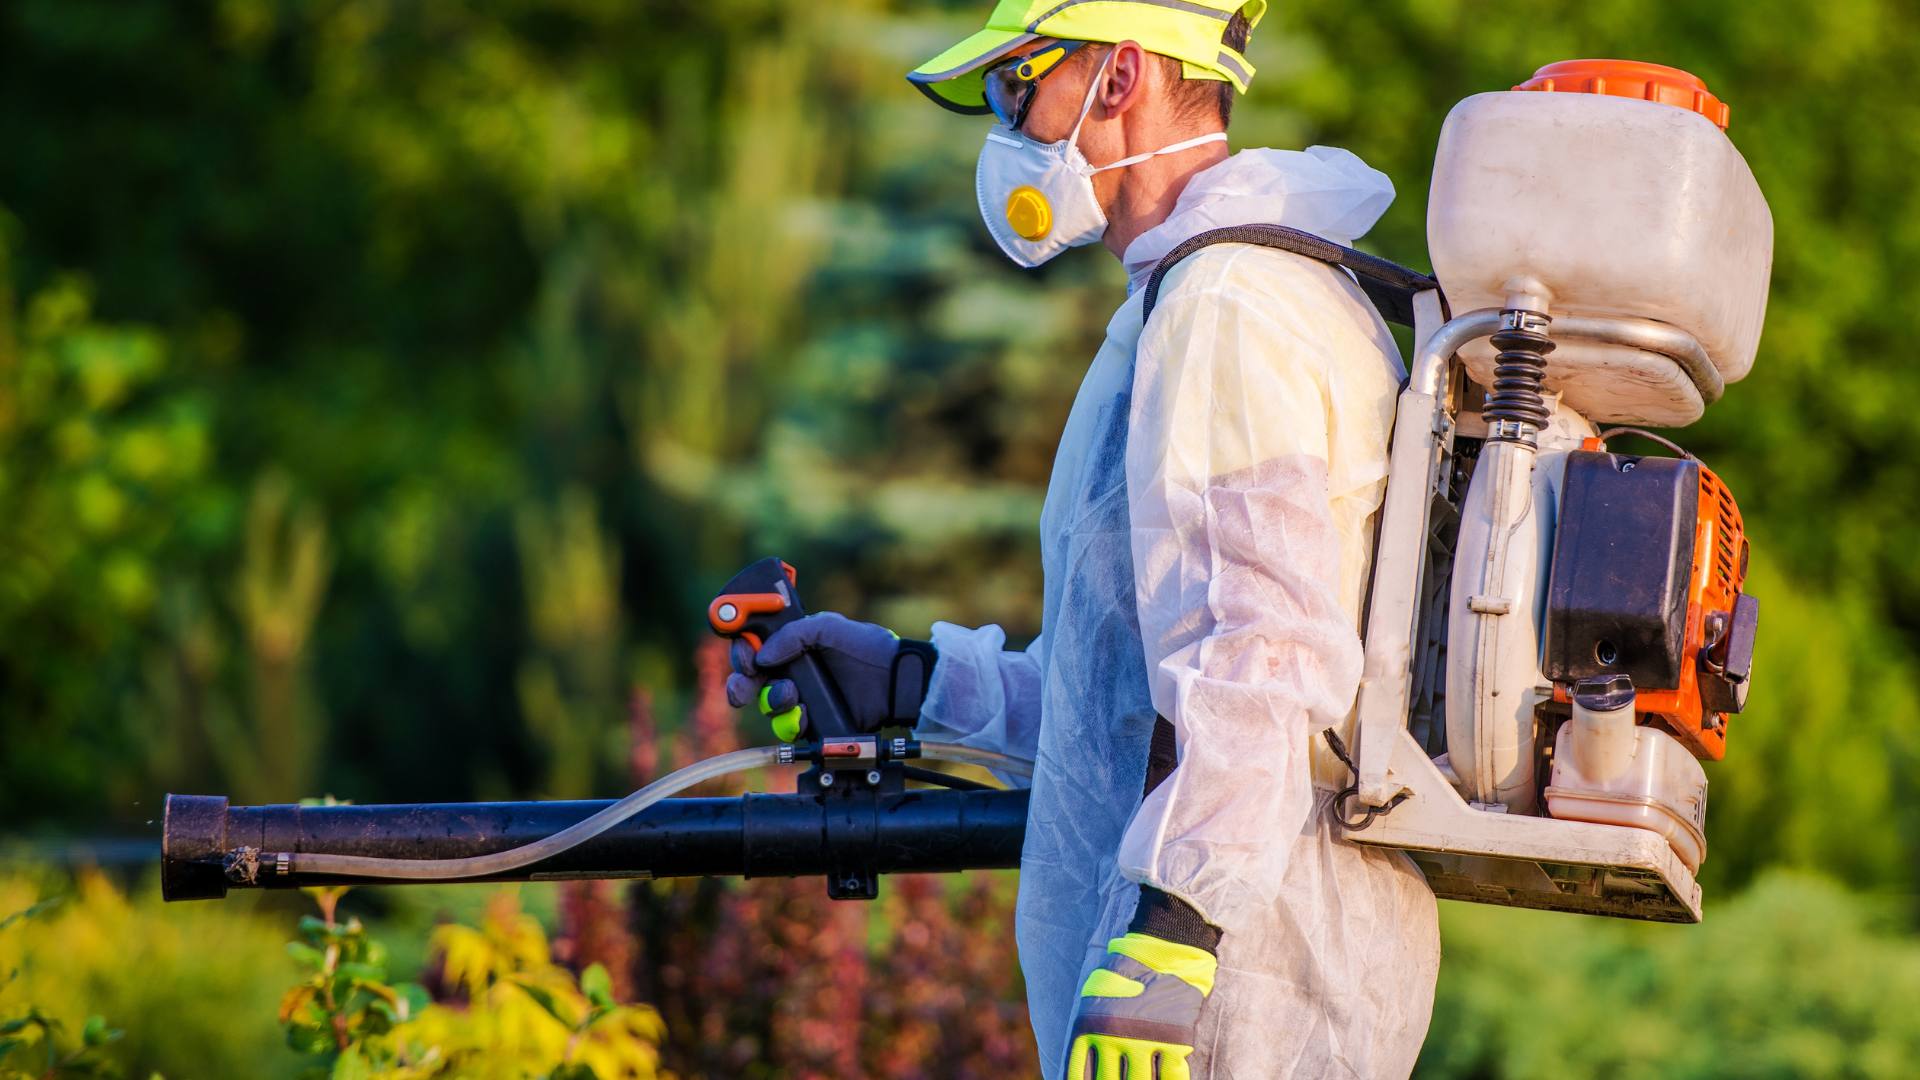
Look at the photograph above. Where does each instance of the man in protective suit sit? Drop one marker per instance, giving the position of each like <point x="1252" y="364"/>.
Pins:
<point x="1206" y="539"/>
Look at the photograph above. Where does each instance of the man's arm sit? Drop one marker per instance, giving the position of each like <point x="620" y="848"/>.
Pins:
<point x="1237" y="571"/>
<point x="982" y="694"/>
<point x="963" y="686"/>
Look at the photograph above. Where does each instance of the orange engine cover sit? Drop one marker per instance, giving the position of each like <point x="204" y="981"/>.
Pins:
<point x="1714" y="595"/>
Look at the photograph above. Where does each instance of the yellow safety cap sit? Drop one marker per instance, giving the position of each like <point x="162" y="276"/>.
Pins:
<point x="1189" y="31"/>
<point x="1029" y="213"/>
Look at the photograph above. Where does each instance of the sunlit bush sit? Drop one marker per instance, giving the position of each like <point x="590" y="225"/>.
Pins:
<point x="1795" y="977"/>
<point x="192" y="985"/>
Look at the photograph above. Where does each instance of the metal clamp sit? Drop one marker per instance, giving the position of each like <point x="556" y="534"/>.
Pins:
<point x="1352" y="790"/>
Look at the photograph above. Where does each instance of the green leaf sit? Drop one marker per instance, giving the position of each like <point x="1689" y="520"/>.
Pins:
<point x="32" y="911"/>
<point x="597" y="985"/>
<point x="379" y="1017"/>
<point x="95" y="1032"/>
<point x="413" y="999"/>
<point x="573" y="1072"/>
<point x="310" y="1038"/>
<point x="372" y="1022"/>
<point x="351" y="1065"/>
<point x="305" y="954"/>
<point x="362" y="973"/>
<point x="544" y="999"/>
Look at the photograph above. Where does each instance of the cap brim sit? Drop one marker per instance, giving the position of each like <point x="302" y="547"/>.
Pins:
<point x="953" y="79"/>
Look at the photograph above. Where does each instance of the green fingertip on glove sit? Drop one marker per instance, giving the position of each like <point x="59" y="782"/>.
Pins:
<point x="1138" y="1012"/>
<point x="786" y="725"/>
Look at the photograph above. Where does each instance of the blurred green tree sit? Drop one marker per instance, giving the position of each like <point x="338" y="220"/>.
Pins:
<point x="548" y="315"/>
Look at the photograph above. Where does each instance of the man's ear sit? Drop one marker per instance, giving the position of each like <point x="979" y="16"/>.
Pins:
<point x="1125" y="82"/>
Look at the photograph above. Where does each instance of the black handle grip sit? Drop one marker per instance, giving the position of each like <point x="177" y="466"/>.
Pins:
<point x="760" y="600"/>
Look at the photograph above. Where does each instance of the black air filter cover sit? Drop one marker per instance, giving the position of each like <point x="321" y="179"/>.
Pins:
<point x="1622" y="554"/>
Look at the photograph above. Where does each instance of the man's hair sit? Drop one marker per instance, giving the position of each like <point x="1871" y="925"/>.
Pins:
<point x="1195" y="100"/>
<point x="1201" y="99"/>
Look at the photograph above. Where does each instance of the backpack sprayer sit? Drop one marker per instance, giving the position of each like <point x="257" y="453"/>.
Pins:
<point x="1557" y="633"/>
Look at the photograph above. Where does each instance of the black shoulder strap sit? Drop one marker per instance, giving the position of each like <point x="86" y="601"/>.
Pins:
<point x="1389" y="285"/>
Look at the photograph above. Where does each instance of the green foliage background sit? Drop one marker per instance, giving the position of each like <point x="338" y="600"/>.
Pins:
<point x="385" y="387"/>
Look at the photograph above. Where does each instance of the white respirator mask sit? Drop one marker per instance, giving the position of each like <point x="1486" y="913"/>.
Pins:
<point x="1037" y="198"/>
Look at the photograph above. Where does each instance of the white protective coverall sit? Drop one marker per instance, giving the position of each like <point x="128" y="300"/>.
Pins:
<point x="1206" y="539"/>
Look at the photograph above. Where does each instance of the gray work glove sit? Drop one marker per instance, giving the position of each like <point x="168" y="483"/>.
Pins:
<point x="882" y="677"/>
<point x="1138" y="1012"/>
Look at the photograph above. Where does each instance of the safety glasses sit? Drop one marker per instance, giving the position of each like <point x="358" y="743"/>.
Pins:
<point x="1012" y="84"/>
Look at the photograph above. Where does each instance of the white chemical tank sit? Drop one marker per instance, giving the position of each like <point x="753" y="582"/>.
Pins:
<point x="1613" y="184"/>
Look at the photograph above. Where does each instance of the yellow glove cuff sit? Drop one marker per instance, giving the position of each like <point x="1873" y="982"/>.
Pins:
<point x="1195" y="967"/>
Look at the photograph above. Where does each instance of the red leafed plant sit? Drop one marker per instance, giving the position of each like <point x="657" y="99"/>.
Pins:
<point x="770" y="978"/>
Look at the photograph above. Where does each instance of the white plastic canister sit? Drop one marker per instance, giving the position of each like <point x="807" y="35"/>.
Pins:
<point x="1656" y="784"/>
<point x="1618" y="190"/>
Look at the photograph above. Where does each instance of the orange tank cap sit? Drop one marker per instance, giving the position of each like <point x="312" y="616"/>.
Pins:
<point x="1632" y="79"/>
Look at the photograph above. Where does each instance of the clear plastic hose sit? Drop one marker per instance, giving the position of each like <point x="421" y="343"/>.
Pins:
<point x="986" y="759"/>
<point x="502" y="862"/>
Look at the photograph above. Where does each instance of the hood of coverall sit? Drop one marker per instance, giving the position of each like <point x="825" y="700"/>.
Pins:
<point x="1322" y="190"/>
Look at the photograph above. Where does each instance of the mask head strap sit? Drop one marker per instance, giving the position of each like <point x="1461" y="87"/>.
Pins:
<point x="1087" y="107"/>
<point x="1174" y="148"/>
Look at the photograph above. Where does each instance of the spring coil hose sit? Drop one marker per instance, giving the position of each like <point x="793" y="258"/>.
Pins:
<point x="1519" y="370"/>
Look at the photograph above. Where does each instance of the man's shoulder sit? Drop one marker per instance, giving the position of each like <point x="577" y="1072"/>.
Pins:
<point x="1270" y="282"/>
<point x="1289" y="310"/>
<point x="1242" y="272"/>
